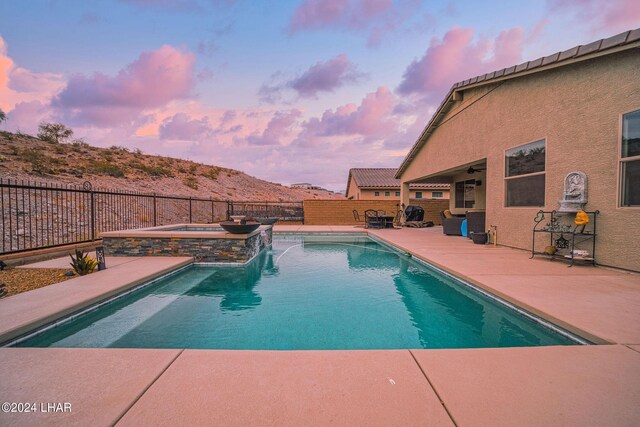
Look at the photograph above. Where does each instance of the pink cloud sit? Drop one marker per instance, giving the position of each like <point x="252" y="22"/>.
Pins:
<point x="456" y="57"/>
<point x="612" y="16"/>
<point x="372" y="118"/>
<point x="181" y="127"/>
<point x="23" y="80"/>
<point x="313" y="14"/>
<point x="377" y="17"/>
<point x="151" y="81"/>
<point x="26" y="116"/>
<point x="326" y="76"/>
<point x="20" y="85"/>
<point x="278" y="128"/>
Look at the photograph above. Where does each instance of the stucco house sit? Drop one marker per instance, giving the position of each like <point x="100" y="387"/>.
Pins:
<point x="507" y="140"/>
<point x="381" y="184"/>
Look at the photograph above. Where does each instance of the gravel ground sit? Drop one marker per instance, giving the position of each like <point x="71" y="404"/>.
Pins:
<point x="18" y="280"/>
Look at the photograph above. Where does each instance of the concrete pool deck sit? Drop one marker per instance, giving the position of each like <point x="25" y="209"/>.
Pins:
<point x="575" y="385"/>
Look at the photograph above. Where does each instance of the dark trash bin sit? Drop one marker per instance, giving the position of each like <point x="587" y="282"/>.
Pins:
<point x="414" y="213"/>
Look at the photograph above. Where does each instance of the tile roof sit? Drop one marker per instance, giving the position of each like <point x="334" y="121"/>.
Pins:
<point x="384" y="178"/>
<point x="626" y="40"/>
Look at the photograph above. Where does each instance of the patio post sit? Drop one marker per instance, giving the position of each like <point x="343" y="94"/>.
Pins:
<point x="404" y="197"/>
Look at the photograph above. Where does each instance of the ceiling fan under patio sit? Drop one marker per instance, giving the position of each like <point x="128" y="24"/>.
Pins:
<point x="474" y="170"/>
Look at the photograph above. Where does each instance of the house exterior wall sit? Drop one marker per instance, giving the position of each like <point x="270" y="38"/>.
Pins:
<point x="577" y="109"/>
<point x="370" y="194"/>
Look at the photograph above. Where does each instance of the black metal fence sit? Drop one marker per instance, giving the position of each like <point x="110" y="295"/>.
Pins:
<point x="285" y="211"/>
<point x="38" y="215"/>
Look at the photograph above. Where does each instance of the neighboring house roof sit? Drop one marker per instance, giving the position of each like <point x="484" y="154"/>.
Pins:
<point x="367" y="178"/>
<point x="623" y="41"/>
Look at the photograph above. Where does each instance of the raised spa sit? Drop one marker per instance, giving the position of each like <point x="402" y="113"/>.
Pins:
<point x="207" y="243"/>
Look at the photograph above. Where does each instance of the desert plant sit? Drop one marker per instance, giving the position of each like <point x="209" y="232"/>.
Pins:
<point x="3" y="116"/>
<point x="83" y="264"/>
<point x="211" y="173"/>
<point x="193" y="169"/>
<point x="54" y="133"/>
<point x="40" y="163"/>
<point x="191" y="182"/>
<point x="80" y="143"/>
<point x="105" y="168"/>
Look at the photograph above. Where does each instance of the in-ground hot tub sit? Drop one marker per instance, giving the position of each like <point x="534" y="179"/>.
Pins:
<point x="204" y="242"/>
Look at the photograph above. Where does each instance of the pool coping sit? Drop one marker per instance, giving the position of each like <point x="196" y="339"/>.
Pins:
<point x="158" y="233"/>
<point x="30" y="311"/>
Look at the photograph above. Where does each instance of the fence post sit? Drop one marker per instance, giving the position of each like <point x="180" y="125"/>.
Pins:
<point x="155" y="211"/>
<point x="93" y="215"/>
<point x="190" y="213"/>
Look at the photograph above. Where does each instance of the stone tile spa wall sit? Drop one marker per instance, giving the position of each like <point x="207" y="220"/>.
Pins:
<point x="203" y="249"/>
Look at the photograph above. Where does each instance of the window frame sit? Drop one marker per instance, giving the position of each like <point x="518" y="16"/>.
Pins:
<point x="420" y="195"/>
<point x="376" y="194"/>
<point x="397" y="194"/>
<point x="526" y="175"/>
<point x="433" y="194"/>
<point x="622" y="161"/>
<point x="387" y="194"/>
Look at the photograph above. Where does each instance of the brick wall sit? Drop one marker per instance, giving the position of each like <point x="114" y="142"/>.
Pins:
<point x="340" y="212"/>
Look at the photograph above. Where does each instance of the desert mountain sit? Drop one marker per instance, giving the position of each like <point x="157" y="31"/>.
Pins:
<point x="25" y="157"/>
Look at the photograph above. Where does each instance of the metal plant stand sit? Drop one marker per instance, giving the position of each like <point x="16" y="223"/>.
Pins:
<point x="578" y="236"/>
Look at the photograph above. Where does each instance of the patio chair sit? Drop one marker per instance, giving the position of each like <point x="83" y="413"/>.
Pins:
<point x="372" y="219"/>
<point x="397" y="220"/>
<point x="476" y="223"/>
<point x="357" y="217"/>
<point x="451" y="226"/>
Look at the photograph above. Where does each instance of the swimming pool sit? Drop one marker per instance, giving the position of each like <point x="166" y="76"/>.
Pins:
<point x="306" y="292"/>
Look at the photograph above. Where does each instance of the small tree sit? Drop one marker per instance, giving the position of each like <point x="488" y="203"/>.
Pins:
<point x="3" y="116"/>
<point x="54" y="132"/>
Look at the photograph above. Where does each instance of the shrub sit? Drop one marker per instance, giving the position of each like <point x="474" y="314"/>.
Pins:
<point x="79" y="143"/>
<point x="118" y="148"/>
<point x="40" y="163"/>
<point x="54" y="133"/>
<point x="191" y="182"/>
<point x="99" y="167"/>
<point x="83" y="264"/>
<point x="193" y="169"/>
<point x="149" y="170"/>
<point x="211" y="173"/>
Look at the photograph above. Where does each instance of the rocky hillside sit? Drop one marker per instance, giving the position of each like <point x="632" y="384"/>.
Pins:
<point x="25" y="157"/>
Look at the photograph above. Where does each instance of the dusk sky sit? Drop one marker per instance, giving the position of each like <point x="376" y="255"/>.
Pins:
<point x="285" y="90"/>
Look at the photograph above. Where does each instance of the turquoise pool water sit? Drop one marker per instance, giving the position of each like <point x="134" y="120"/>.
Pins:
<point x="308" y="292"/>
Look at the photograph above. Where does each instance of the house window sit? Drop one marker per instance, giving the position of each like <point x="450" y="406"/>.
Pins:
<point x="397" y="194"/>
<point x="630" y="159"/>
<point x="465" y="194"/>
<point x="436" y="194"/>
<point x="377" y="194"/>
<point x="387" y="194"/>
<point x="418" y="194"/>
<point x="525" y="175"/>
